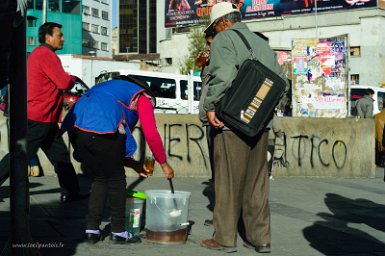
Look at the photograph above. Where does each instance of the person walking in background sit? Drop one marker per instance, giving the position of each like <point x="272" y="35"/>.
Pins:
<point x="241" y="174"/>
<point x="203" y="61"/>
<point x="101" y="123"/>
<point x="364" y="105"/>
<point x="46" y="82"/>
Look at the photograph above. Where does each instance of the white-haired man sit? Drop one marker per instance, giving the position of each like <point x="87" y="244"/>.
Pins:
<point x="241" y="173"/>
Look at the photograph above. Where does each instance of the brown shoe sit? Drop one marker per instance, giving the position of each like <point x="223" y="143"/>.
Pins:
<point x="214" y="245"/>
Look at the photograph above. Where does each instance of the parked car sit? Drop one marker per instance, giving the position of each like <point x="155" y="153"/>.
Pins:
<point x="73" y="95"/>
<point x="171" y="90"/>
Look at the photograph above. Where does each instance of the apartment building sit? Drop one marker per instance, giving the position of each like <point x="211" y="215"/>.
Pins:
<point x="96" y="28"/>
<point x="137" y="26"/>
<point x="65" y="12"/>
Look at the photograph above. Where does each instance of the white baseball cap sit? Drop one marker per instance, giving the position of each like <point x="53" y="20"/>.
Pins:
<point x="220" y="10"/>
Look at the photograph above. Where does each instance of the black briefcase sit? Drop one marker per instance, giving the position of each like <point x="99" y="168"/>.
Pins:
<point x="249" y="104"/>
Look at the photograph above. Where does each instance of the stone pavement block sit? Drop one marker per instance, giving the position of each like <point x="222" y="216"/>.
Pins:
<point x="310" y="217"/>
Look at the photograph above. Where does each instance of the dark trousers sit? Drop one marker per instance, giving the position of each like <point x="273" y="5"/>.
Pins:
<point x="104" y="156"/>
<point x="45" y="136"/>
<point x="210" y="134"/>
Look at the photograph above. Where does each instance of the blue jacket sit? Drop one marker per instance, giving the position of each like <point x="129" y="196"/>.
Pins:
<point x="104" y="107"/>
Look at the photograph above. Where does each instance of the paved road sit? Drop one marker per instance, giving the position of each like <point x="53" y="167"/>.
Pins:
<point x="310" y="217"/>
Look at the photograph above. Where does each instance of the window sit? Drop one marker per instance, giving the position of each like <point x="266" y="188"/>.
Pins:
<point x="161" y="87"/>
<point x="31" y="22"/>
<point x="354" y="79"/>
<point x="31" y="40"/>
<point x="86" y="26"/>
<point x="169" y="61"/>
<point x="355" y="51"/>
<point x="104" y="46"/>
<point x="54" y="6"/>
<point x="104" y="31"/>
<point x="104" y="15"/>
<point x="95" y="44"/>
<point x="95" y="29"/>
<point x="86" y="10"/>
<point x="95" y="12"/>
<point x="184" y="90"/>
<point x="71" y="6"/>
<point x="380" y="100"/>
<point x="86" y="42"/>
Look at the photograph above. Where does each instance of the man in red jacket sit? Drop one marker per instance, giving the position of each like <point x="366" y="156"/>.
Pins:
<point x="46" y="82"/>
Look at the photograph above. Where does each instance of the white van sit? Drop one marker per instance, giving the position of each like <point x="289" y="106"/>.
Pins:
<point x="357" y="91"/>
<point x="173" y="92"/>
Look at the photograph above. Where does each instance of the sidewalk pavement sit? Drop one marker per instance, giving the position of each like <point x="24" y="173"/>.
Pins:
<point x="310" y="217"/>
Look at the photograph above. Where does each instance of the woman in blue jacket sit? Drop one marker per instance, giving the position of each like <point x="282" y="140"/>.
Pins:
<point x="101" y="123"/>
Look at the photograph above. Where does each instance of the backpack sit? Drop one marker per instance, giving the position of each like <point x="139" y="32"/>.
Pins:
<point x="249" y="104"/>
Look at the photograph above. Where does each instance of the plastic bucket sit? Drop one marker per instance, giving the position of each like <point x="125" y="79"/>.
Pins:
<point x="134" y="213"/>
<point x="167" y="216"/>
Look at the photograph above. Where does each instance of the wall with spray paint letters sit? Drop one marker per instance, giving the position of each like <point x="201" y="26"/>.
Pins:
<point x="305" y="147"/>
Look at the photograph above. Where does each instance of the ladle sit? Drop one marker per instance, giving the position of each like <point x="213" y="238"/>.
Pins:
<point x="176" y="212"/>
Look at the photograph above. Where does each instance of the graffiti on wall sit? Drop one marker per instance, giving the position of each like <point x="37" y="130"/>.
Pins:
<point x="182" y="141"/>
<point x="310" y="149"/>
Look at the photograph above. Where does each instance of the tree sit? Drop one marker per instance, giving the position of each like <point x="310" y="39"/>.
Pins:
<point x="197" y="43"/>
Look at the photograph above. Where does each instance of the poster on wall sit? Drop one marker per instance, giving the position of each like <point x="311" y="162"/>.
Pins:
<point x="180" y="13"/>
<point x="320" y="77"/>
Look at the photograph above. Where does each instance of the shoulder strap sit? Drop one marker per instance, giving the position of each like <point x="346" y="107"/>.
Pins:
<point x="245" y="42"/>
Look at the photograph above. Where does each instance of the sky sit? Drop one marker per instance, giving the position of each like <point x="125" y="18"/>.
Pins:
<point x="114" y="13"/>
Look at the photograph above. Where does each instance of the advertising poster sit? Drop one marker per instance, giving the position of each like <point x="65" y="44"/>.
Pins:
<point x="180" y="13"/>
<point x="320" y="77"/>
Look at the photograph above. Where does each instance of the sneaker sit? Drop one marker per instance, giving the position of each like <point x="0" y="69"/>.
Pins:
<point x="214" y="245"/>
<point x="131" y="239"/>
<point x="92" y="238"/>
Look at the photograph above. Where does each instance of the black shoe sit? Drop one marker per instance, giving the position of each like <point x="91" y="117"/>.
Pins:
<point x="122" y="240"/>
<point x="208" y="222"/>
<point x="259" y="248"/>
<point x="92" y="238"/>
<point x="72" y="198"/>
<point x="263" y="248"/>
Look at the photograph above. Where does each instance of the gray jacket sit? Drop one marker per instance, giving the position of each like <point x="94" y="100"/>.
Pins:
<point x="227" y="54"/>
<point x="365" y="107"/>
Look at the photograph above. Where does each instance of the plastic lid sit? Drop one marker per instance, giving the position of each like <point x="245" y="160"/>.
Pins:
<point x="137" y="194"/>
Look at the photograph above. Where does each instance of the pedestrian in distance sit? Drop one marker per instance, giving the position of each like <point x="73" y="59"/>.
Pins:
<point x="101" y="124"/>
<point x="203" y="61"/>
<point x="46" y="81"/>
<point x="364" y="105"/>
<point x="241" y="173"/>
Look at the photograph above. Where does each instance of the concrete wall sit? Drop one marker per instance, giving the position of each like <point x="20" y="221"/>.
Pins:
<point x="324" y="147"/>
<point x="307" y="147"/>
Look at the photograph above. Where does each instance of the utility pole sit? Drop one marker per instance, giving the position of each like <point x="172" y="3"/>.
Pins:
<point x="13" y="56"/>
<point x="44" y="17"/>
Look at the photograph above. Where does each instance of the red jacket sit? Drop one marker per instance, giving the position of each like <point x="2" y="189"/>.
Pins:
<point x="46" y="81"/>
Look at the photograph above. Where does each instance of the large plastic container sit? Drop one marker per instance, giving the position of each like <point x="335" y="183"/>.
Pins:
<point x="167" y="216"/>
<point x="134" y="213"/>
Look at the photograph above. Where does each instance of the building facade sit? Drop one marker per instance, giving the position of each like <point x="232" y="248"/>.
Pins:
<point x="137" y="26"/>
<point x="96" y="28"/>
<point x="363" y="26"/>
<point x="65" y="12"/>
